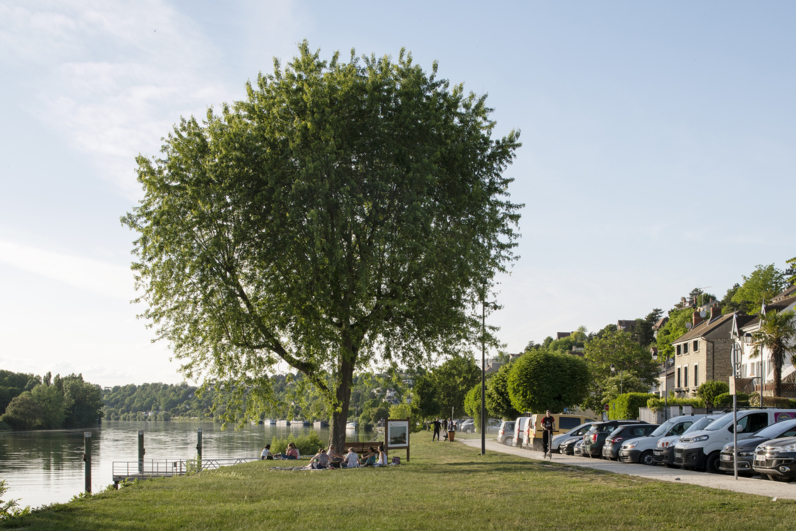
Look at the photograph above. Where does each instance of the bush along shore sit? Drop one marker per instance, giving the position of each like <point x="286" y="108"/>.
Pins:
<point x="444" y="486"/>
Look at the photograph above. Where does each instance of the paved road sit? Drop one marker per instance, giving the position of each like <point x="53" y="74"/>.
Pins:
<point x="757" y="486"/>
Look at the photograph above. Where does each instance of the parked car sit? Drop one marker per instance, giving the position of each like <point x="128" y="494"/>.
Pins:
<point x="702" y="450"/>
<point x="467" y="426"/>
<point x="562" y="440"/>
<point x="663" y="454"/>
<point x="594" y="439"/>
<point x="746" y="447"/>
<point x="640" y="450"/>
<point x="532" y="438"/>
<point x="520" y="425"/>
<point x="506" y="432"/>
<point x="493" y="425"/>
<point x="776" y="460"/>
<point x="577" y="448"/>
<point x="621" y="434"/>
<point x="568" y="447"/>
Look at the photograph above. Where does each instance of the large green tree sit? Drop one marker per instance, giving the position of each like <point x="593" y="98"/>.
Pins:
<point x="761" y="286"/>
<point x="452" y="380"/>
<point x="542" y="380"/>
<point x="498" y="400"/>
<point x="51" y="403"/>
<point x="344" y="210"/>
<point x="632" y="363"/>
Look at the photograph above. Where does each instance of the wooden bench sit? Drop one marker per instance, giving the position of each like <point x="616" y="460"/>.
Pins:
<point x="360" y="447"/>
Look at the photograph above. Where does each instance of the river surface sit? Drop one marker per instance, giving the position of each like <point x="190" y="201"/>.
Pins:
<point x="43" y="467"/>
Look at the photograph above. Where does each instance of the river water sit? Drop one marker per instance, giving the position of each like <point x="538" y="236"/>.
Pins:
<point x="43" y="467"/>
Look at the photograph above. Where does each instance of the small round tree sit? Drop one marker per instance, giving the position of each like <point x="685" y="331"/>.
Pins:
<point x="542" y="380"/>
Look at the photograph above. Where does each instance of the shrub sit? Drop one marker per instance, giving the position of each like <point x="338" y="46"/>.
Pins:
<point x="625" y="407"/>
<point x="657" y="404"/>
<point x="708" y="391"/>
<point x="404" y="411"/>
<point x="307" y="444"/>
<point x="725" y="399"/>
<point x="770" y="401"/>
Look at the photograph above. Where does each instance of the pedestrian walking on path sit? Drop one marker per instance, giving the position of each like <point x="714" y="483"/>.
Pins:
<point x="548" y="425"/>
<point x="437" y="426"/>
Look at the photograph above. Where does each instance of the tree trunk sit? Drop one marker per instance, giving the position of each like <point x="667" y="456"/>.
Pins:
<point x="343" y="395"/>
<point x="777" y="373"/>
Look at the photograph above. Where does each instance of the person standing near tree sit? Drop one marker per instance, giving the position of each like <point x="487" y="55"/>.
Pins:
<point x="548" y="425"/>
<point x="437" y="426"/>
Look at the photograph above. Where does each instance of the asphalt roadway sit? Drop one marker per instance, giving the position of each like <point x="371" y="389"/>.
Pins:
<point x="760" y="487"/>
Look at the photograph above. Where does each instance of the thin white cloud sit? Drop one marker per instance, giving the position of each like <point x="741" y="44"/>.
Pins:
<point x="84" y="273"/>
<point x="115" y="76"/>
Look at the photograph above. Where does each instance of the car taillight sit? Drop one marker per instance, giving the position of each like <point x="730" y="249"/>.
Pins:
<point x="501" y="432"/>
<point x="618" y="439"/>
<point x="594" y="437"/>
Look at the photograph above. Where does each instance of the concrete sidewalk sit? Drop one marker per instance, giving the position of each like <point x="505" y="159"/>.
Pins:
<point x="756" y="486"/>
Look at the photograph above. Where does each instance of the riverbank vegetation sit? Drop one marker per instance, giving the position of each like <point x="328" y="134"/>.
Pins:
<point x="47" y="402"/>
<point x="444" y="486"/>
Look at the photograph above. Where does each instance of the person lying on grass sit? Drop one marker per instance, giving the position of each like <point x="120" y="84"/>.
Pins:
<point x="351" y="459"/>
<point x="320" y="460"/>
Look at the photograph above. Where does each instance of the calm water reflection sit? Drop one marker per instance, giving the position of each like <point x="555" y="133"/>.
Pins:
<point x="43" y="467"/>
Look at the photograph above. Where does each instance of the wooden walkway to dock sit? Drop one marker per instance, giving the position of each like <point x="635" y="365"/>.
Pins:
<point x="165" y="468"/>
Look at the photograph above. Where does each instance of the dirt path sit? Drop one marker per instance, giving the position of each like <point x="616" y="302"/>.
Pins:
<point x="757" y="486"/>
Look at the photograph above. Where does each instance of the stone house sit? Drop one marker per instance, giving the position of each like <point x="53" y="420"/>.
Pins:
<point x="704" y="352"/>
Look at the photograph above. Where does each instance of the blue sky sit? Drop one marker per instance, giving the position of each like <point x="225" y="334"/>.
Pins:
<point x="657" y="148"/>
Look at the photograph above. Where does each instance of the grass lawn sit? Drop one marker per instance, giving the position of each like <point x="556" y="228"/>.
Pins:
<point x="445" y="486"/>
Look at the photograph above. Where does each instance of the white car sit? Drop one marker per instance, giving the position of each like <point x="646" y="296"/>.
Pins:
<point x="663" y="453"/>
<point x="640" y="450"/>
<point x="702" y="449"/>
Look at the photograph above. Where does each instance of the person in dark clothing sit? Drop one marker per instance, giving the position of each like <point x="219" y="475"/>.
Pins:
<point x="437" y="426"/>
<point x="548" y="425"/>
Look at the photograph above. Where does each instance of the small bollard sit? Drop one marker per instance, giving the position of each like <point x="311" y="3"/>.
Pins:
<point x="87" y="458"/>
<point x="199" y="448"/>
<point x="141" y="451"/>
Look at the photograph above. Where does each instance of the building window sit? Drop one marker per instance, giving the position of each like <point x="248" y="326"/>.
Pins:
<point x="685" y="376"/>
<point x="678" y="350"/>
<point x="696" y="346"/>
<point x="744" y="370"/>
<point x="685" y="348"/>
<point x="696" y="375"/>
<point x="678" y="377"/>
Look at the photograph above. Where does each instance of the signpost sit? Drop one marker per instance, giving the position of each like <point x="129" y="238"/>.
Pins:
<point x="396" y="435"/>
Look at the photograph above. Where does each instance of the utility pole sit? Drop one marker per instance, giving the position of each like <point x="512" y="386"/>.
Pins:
<point x="483" y="377"/>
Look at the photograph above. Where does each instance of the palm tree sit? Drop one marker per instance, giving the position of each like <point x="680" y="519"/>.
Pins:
<point x="777" y="333"/>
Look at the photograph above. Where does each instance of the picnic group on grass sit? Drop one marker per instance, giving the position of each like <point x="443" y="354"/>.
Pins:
<point x="330" y="459"/>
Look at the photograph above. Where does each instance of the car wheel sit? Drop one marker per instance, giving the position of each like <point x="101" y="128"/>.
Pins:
<point x="712" y="464"/>
<point x="507" y="442"/>
<point x="647" y="458"/>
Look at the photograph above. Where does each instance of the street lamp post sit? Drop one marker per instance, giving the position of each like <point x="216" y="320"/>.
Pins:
<point x="483" y="377"/>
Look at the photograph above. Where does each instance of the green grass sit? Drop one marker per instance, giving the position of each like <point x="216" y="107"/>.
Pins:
<point x="445" y="486"/>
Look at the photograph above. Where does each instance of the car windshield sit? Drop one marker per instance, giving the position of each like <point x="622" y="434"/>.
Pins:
<point x="602" y="428"/>
<point x="662" y="429"/>
<point x="773" y="431"/>
<point x="701" y="424"/>
<point x="720" y="422"/>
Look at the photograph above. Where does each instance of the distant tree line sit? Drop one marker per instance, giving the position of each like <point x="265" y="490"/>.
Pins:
<point x="34" y="402"/>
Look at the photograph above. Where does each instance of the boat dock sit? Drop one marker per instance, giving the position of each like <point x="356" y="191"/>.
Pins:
<point x="166" y="468"/>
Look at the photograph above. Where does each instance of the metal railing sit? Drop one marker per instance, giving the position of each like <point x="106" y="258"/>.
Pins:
<point x="150" y="468"/>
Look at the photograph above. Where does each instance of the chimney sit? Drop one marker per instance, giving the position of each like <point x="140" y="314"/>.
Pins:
<point x="697" y="319"/>
<point x="715" y="311"/>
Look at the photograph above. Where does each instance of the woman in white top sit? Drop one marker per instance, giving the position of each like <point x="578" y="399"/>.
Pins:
<point x="382" y="459"/>
<point x="351" y="459"/>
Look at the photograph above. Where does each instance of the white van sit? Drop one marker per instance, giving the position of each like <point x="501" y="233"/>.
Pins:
<point x="520" y="425"/>
<point x="640" y="450"/>
<point x="702" y="449"/>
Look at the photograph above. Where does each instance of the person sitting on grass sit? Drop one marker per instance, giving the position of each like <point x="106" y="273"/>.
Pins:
<point x="292" y="452"/>
<point x="266" y="453"/>
<point x="369" y="458"/>
<point x="319" y="461"/>
<point x="351" y="459"/>
<point x="334" y="458"/>
<point x="381" y="457"/>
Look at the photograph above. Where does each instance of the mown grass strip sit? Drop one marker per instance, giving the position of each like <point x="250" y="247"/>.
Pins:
<point x="445" y="486"/>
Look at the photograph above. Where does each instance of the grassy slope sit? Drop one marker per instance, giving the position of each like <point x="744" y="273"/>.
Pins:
<point x="445" y="486"/>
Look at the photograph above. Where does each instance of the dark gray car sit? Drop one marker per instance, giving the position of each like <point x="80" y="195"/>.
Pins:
<point x="575" y="434"/>
<point x="746" y="447"/>
<point x="776" y="459"/>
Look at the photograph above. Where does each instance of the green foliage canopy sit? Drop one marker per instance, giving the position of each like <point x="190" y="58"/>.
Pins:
<point x="542" y="380"/>
<point x="498" y="399"/>
<point x="344" y="210"/>
<point x="762" y="285"/>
